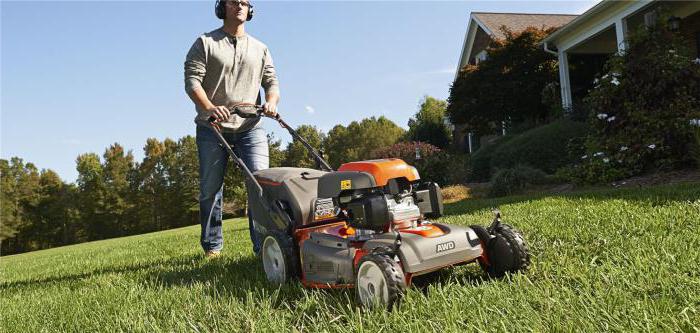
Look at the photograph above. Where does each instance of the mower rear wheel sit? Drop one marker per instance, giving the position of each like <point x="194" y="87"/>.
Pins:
<point x="507" y="252"/>
<point x="277" y="261"/>
<point x="379" y="281"/>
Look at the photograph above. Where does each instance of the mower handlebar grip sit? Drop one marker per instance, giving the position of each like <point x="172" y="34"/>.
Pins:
<point x="259" y="113"/>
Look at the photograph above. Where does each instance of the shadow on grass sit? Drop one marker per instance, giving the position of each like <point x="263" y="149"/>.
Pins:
<point x="94" y="273"/>
<point x="240" y="278"/>
<point x="656" y="195"/>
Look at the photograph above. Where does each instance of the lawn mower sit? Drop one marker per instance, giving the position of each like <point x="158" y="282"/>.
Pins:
<point x="367" y="225"/>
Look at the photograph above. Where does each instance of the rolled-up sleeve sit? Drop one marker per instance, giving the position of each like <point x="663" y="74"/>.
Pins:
<point x="195" y="66"/>
<point x="269" y="77"/>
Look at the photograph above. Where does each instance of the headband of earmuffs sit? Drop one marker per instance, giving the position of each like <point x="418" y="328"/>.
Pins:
<point x="220" y="10"/>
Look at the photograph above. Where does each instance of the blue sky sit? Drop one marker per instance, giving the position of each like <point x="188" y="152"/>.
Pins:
<point x="77" y="76"/>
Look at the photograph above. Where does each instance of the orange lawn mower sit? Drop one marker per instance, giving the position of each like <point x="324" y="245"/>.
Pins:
<point x="366" y="226"/>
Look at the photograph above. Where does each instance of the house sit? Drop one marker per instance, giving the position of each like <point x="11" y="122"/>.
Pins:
<point x="602" y="31"/>
<point x="482" y="29"/>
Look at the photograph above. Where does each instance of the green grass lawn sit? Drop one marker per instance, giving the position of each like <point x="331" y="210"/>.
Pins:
<point x="618" y="260"/>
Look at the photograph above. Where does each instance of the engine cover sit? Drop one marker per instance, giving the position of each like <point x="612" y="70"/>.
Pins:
<point x="383" y="170"/>
<point x="331" y="184"/>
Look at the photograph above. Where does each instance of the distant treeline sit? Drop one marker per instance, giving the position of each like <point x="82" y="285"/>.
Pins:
<point x="116" y="196"/>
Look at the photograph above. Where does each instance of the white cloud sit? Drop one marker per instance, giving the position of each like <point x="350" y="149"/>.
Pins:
<point x="309" y="109"/>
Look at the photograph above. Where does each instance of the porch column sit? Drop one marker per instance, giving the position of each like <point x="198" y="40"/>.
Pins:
<point x="564" y="82"/>
<point x="620" y="34"/>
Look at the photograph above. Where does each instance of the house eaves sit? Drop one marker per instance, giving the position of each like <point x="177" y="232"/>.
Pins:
<point x="600" y="7"/>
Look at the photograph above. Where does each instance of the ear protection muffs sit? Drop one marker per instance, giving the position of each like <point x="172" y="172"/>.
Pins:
<point x="220" y="10"/>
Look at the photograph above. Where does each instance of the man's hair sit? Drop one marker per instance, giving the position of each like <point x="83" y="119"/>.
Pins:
<point x="220" y="10"/>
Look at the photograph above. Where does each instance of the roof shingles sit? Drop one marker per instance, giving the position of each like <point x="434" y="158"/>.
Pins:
<point x="519" y="22"/>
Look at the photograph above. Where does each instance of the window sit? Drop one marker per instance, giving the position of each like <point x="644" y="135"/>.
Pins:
<point x="650" y="18"/>
<point x="481" y="56"/>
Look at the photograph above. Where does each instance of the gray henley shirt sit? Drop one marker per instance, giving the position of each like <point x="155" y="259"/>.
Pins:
<point x="230" y="70"/>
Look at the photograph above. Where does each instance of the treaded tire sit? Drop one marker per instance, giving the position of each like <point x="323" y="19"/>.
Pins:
<point x="283" y="265"/>
<point x="370" y="292"/>
<point x="507" y="252"/>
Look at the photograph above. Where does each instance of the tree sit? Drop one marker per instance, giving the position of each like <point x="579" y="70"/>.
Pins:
<point x="10" y="209"/>
<point x="277" y="155"/>
<point x="428" y="124"/>
<point x="20" y="196"/>
<point x="358" y="140"/>
<point x="296" y="154"/>
<point x="152" y="185"/>
<point x="91" y="195"/>
<point x="119" y="201"/>
<point x="56" y="215"/>
<point x="505" y="87"/>
<point x="186" y="180"/>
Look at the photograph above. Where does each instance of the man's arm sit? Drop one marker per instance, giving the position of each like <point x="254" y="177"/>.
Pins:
<point x="195" y="69"/>
<point x="200" y="99"/>
<point x="270" y="84"/>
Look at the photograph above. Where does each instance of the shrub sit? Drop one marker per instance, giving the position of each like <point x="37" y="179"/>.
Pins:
<point x="454" y="193"/>
<point x="594" y="170"/>
<point x="481" y="160"/>
<point x="642" y="108"/>
<point x="433" y="162"/>
<point x="515" y="180"/>
<point x="545" y="147"/>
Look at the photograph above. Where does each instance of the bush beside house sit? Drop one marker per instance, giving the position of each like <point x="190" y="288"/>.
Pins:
<point x="546" y="148"/>
<point x="644" y="109"/>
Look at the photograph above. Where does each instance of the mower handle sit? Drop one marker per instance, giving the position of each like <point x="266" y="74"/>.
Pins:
<point x="245" y="110"/>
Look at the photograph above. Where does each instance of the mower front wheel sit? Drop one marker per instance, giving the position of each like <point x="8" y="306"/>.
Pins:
<point x="379" y="281"/>
<point x="278" y="259"/>
<point x="506" y="251"/>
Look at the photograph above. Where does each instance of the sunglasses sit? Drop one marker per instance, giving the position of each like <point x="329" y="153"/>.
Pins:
<point x="242" y="4"/>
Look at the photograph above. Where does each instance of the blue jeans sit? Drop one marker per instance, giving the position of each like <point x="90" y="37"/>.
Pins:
<point x="251" y="147"/>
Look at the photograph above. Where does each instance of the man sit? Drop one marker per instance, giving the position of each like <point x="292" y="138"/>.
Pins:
<point x="223" y="67"/>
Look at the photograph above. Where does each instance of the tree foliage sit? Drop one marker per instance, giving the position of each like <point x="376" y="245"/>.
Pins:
<point x="297" y="155"/>
<point x="505" y="87"/>
<point x="277" y="154"/>
<point x="113" y="196"/>
<point x="357" y="141"/>
<point x="428" y="124"/>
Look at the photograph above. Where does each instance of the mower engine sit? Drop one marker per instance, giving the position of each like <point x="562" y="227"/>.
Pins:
<point x="381" y="195"/>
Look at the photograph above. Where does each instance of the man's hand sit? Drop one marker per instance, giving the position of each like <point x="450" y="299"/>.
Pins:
<point x="219" y="112"/>
<point x="270" y="109"/>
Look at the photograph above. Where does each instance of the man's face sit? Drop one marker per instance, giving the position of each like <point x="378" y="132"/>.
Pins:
<point x="237" y="10"/>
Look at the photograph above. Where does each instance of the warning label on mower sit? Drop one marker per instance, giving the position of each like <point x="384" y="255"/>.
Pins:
<point x="346" y="184"/>
<point x="324" y="209"/>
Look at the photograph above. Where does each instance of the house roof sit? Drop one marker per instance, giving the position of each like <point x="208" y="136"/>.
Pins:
<point x="492" y="22"/>
<point x="599" y="7"/>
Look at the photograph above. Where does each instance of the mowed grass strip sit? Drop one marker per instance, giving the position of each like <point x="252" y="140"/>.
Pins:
<point x="617" y="260"/>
